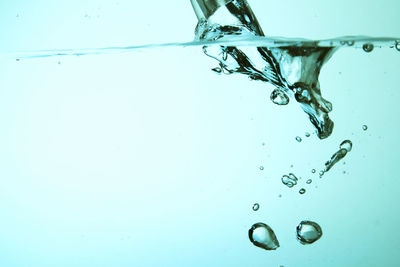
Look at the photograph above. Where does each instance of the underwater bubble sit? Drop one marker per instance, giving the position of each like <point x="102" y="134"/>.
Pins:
<point x="289" y="180"/>
<point x="397" y="45"/>
<point x="313" y="170"/>
<point x="17" y="59"/>
<point x="350" y="43"/>
<point x="261" y="168"/>
<point x="309" y="181"/>
<point x="307" y="134"/>
<point x="262" y="236"/>
<point x="302" y="191"/>
<point x="308" y="232"/>
<point x="368" y="47"/>
<point x="321" y="173"/>
<point x="365" y="127"/>
<point x="256" y="206"/>
<point x="279" y="97"/>
<point x="217" y="70"/>
<point x="298" y="139"/>
<point x="346" y="144"/>
<point x="263" y="144"/>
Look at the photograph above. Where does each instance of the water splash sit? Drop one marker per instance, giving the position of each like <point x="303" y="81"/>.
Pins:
<point x="293" y="69"/>
<point x="344" y="148"/>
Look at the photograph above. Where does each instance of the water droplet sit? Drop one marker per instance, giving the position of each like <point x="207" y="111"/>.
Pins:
<point x="302" y="191"/>
<point x="368" y="47"/>
<point x="279" y="97"/>
<point x="262" y="236"/>
<point x="309" y="181"/>
<point x="261" y="168"/>
<point x="365" y="127"/>
<point x="289" y="180"/>
<point x="307" y="134"/>
<point x="313" y="170"/>
<point x="298" y="139"/>
<point x="217" y="70"/>
<point x="397" y="45"/>
<point x="346" y="144"/>
<point x="256" y="206"/>
<point x="308" y="232"/>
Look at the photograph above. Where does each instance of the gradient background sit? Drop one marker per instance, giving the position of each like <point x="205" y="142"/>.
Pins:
<point x="150" y="159"/>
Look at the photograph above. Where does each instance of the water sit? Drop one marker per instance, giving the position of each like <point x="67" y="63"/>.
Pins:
<point x="108" y="153"/>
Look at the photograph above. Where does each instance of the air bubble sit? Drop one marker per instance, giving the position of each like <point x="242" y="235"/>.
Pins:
<point x="308" y="232"/>
<point x="350" y="43"/>
<point x="313" y="171"/>
<point x="309" y="181"/>
<point x="256" y="206"/>
<point x="302" y="191"/>
<point x="261" y="168"/>
<point x="279" y="97"/>
<point x="262" y="236"/>
<point x="217" y="70"/>
<point x="368" y="47"/>
<point x="298" y="139"/>
<point x="346" y="144"/>
<point x="307" y="134"/>
<point x="397" y="45"/>
<point x="289" y="180"/>
<point x="365" y="127"/>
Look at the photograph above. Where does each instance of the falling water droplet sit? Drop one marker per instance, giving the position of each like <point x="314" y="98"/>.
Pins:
<point x="308" y="232"/>
<point x="368" y="47"/>
<point x="365" y="127"/>
<point x="261" y="168"/>
<point x="309" y="181"/>
<point x="302" y="191"/>
<point x="289" y="180"/>
<point x="261" y="235"/>
<point x="256" y="206"/>
<point x="279" y="97"/>
<point x="298" y="139"/>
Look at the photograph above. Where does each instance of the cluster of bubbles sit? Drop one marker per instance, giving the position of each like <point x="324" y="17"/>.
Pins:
<point x="289" y="180"/>
<point x="262" y="235"/>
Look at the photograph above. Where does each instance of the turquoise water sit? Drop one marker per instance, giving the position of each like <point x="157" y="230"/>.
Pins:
<point x="149" y="158"/>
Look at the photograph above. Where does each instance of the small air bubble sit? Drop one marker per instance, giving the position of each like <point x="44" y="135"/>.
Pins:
<point x="308" y="232"/>
<point x="256" y="206"/>
<point x="279" y="97"/>
<point x="350" y="43"/>
<point x="313" y="171"/>
<point x="217" y="70"/>
<point x="365" y="127"/>
<point x="307" y="134"/>
<point x="397" y="45"/>
<point x="262" y="236"/>
<point x="302" y="191"/>
<point x="298" y="139"/>
<point x="368" y="47"/>
<point x="261" y="168"/>
<point x="17" y="59"/>
<point x="309" y="181"/>
<point x="346" y="144"/>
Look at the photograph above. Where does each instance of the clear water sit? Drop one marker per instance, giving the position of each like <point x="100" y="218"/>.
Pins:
<point x="149" y="158"/>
